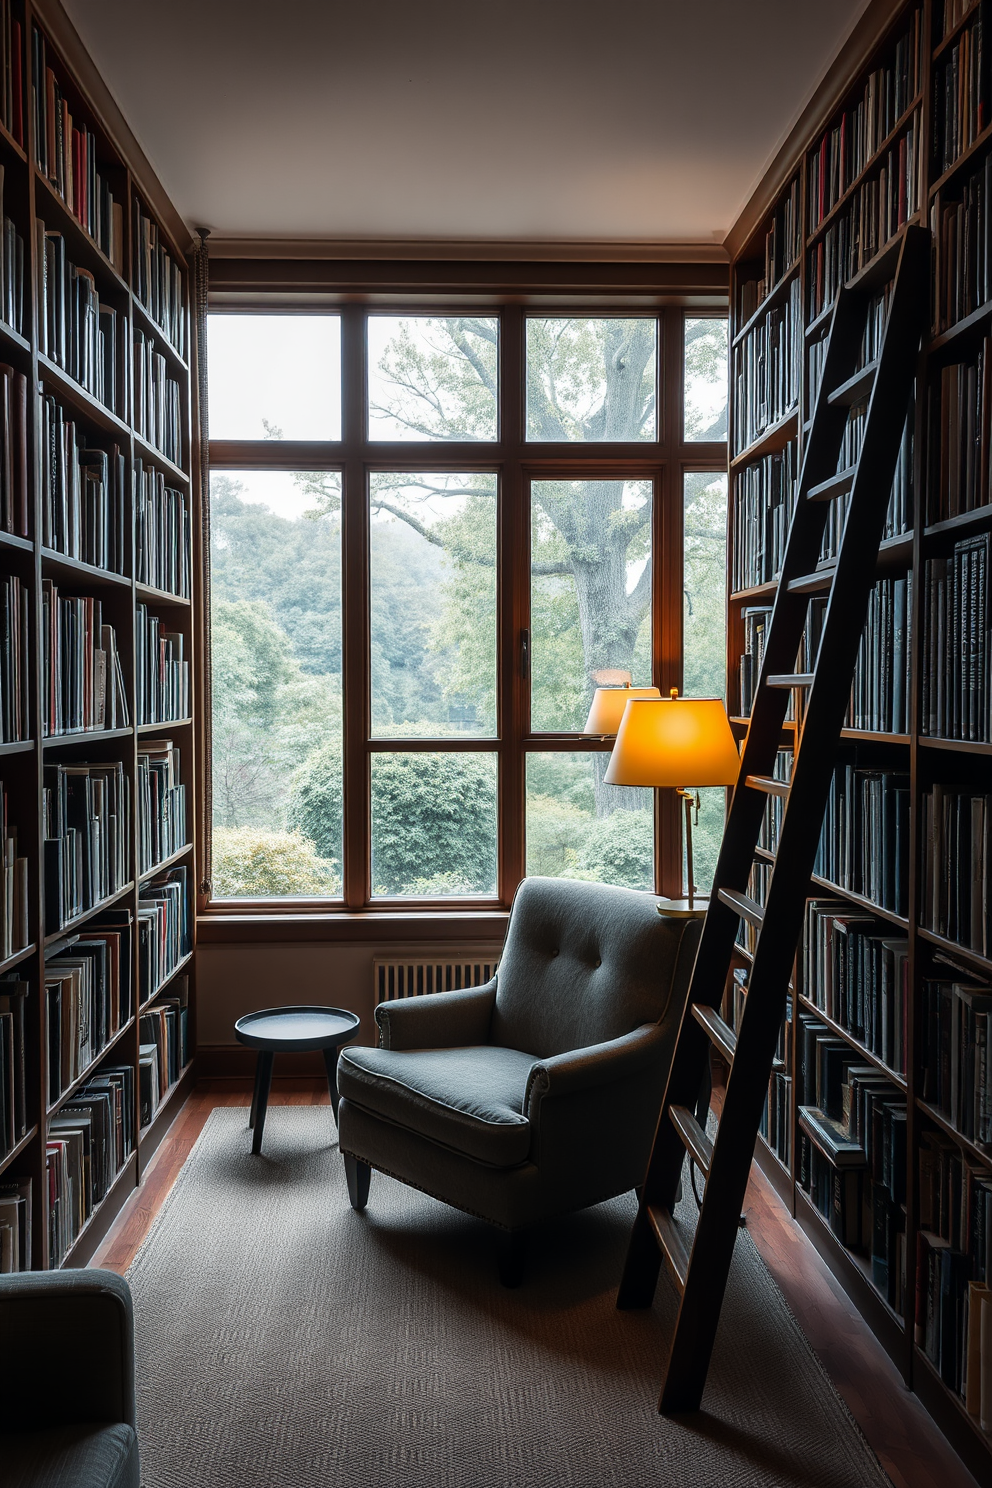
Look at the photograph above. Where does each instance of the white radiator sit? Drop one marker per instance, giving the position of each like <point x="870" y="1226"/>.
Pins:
<point x="394" y="979"/>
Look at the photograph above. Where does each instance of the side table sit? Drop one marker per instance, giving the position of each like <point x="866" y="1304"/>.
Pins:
<point x="292" y="1028"/>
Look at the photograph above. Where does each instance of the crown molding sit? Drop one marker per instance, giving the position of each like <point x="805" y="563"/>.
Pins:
<point x="461" y="250"/>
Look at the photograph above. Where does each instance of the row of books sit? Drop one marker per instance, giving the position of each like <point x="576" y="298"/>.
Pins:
<point x="162" y="533"/>
<point x="13" y="1061"/>
<point x="156" y="399"/>
<point x="87" y="998"/>
<point x="852" y="1159"/>
<point x="856" y="971"/>
<point x="14" y="667"/>
<point x="14" y="888"/>
<point x="158" y="282"/>
<point x="66" y="153"/>
<point x="783" y="249"/>
<point x="846" y="149"/>
<point x="86" y="810"/>
<point x="75" y="329"/>
<point x="952" y="12"/>
<point x="162" y="670"/>
<point x="880" y="687"/>
<point x="756" y="620"/>
<point x="161" y="803"/>
<point x="957" y="866"/>
<point x="14" y="452"/>
<point x="959" y="418"/>
<point x="82" y="666"/>
<point x="11" y="72"/>
<point x="82" y="492"/>
<point x="957" y="696"/>
<point x="164" y="930"/>
<point x="952" y="1320"/>
<point x="164" y="1027"/>
<point x="765" y="498"/>
<point x="955" y="1055"/>
<point x="757" y="889"/>
<point x="882" y="204"/>
<point x="767" y="368"/>
<point x="962" y="233"/>
<point x="776" y="1116"/>
<point x="89" y="1141"/>
<point x="16" y="1204"/>
<point x="771" y="822"/>
<point x="11" y="269"/>
<point x="960" y="94"/>
<point x="899" y="513"/>
<point x="864" y="840"/>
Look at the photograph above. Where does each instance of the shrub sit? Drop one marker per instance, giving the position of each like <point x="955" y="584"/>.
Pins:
<point x="251" y="863"/>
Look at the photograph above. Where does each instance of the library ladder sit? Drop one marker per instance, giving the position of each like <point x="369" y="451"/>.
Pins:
<point x="700" y="1265"/>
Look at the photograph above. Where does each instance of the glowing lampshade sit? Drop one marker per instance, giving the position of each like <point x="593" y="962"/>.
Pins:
<point x="608" y="704"/>
<point x="676" y="742"/>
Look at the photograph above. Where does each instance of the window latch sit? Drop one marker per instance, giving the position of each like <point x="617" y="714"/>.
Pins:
<point x="525" y="654"/>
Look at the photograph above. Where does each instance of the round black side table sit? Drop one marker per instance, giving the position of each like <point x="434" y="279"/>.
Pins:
<point x="292" y="1028"/>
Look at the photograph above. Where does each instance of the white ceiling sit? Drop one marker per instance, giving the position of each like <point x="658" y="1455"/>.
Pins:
<point x="540" y="120"/>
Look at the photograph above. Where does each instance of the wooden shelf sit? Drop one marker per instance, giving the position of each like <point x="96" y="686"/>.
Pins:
<point x="974" y="959"/>
<point x="975" y="148"/>
<point x="961" y="330"/>
<point x="180" y="965"/>
<point x="57" y="380"/>
<point x="955" y="31"/>
<point x="156" y="728"/>
<point x="16" y="957"/>
<point x="17" y="746"/>
<point x="148" y="452"/>
<point x="151" y="327"/>
<point x="973" y="1148"/>
<point x="175" y="857"/>
<point x="70" y="1090"/>
<point x="854" y="1270"/>
<point x="103" y="1214"/>
<point x="83" y="736"/>
<point x="775" y="437"/>
<point x="774" y="296"/>
<point x="962" y="525"/>
<point x="52" y="558"/>
<point x="956" y="746"/>
<point x="87" y="914"/>
<point x="53" y="206"/>
<point x="18" y="1148"/>
<point x="860" y="901"/>
<point x="868" y="736"/>
<point x="12" y="540"/>
<point x="161" y="596"/>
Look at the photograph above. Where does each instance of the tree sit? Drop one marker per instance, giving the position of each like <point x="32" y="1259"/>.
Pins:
<point x="248" y="861"/>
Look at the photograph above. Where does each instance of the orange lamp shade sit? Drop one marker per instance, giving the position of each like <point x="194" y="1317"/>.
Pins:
<point x="674" y="741"/>
<point x="608" y="704"/>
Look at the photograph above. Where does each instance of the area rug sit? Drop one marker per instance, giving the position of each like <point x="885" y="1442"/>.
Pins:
<point x="284" y="1341"/>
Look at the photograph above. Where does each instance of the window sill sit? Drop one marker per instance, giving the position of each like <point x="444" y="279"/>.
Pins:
<point x="283" y="925"/>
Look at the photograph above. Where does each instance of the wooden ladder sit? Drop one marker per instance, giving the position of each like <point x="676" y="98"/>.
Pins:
<point x="699" y="1266"/>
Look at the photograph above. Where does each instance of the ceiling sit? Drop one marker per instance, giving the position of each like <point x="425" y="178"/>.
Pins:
<point x="546" y="121"/>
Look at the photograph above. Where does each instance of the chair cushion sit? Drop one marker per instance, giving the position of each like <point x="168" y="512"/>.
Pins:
<point x="81" y="1456"/>
<point x="470" y="1099"/>
<point x="585" y="963"/>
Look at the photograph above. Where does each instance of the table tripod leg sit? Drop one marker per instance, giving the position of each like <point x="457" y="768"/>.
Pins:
<point x="331" y="1066"/>
<point x="260" y="1101"/>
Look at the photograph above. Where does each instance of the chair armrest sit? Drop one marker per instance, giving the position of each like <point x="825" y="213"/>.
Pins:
<point x="598" y="1064"/>
<point x="68" y="1349"/>
<point x="438" y="1020"/>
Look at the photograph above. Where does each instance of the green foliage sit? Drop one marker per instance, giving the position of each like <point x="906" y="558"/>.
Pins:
<point x="249" y="862"/>
<point x="433" y="813"/>
<point x="443" y="385"/>
<point x="316" y="801"/>
<point x="619" y="849"/>
<point x="555" y="832"/>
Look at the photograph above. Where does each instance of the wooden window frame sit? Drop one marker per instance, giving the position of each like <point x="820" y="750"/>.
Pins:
<point x="517" y="462"/>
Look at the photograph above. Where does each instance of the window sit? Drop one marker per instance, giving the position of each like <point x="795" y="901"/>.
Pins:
<point x="419" y="573"/>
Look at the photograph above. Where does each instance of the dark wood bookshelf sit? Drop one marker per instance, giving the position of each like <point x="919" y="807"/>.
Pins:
<point x="66" y="1095"/>
<point x="773" y="297"/>
<point x="913" y="753"/>
<point x="151" y="453"/>
<point x="83" y="736"/>
<point x="161" y="596"/>
<point x="21" y="1146"/>
<point x="948" y="41"/>
<point x="180" y="966"/>
<point x="52" y="558"/>
<point x="176" y="857"/>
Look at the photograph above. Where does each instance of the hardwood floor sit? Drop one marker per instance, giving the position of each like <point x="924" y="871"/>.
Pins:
<point x="899" y="1430"/>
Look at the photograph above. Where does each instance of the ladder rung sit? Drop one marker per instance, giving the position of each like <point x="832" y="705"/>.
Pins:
<point x="697" y="1143"/>
<point x="743" y="906"/>
<point x="766" y="784"/>
<point x="790" y="679"/>
<point x="669" y="1239"/>
<point x="813" y="583"/>
<point x="854" y="389"/>
<point x="721" y="1035"/>
<point x="837" y="485"/>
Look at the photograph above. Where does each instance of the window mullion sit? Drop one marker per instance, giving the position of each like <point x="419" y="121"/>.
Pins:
<point x="514" y="602"/>
<point x="355" y="613"/>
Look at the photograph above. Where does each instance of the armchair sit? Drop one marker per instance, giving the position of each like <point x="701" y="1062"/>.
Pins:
<point x="67" y="1410"/>
<point x="539" y="1092"/>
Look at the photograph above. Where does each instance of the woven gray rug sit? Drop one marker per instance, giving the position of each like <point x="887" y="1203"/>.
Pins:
<point x="285" y="1342"/>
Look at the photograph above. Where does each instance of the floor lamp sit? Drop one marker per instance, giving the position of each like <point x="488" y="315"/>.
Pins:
<point x="685" y="743"/>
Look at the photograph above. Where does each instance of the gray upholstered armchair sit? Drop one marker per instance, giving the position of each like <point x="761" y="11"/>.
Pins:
<point x="67" y="1381"/>
<point x="539" y="1092"/>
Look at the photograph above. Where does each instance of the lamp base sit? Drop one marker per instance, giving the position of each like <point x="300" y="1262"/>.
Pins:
<point x="682" y="909"/>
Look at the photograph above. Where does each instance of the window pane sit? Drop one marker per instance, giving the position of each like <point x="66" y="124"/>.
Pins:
<point x="592" y="379"/>
<point x="434" y="825"/>
<point x="705" y="384"/>
<point x="276" y="667"/>
<point x="590" y="593"/>
<point x="433" y="377"/>
<point x="274" y="376"/>
<point x="433" y="604"/>
<point x="577" y="827"/>
<point x="705" y="622"/>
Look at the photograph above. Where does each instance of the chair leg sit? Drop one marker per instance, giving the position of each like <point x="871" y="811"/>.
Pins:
<point x="359" y="1176"/>
<point x="259" y="1105"/>
<point x="512" y="1257"/>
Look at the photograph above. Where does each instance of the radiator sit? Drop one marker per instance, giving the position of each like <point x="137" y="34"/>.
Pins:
<point x="394" y="979"/>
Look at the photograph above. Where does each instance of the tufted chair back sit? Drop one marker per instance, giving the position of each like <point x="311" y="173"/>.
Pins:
<point x="584" y="963"/>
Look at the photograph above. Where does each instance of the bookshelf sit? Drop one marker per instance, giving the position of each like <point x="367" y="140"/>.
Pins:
<point x="892" y="988"/>
<point x="96" y="661"/>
